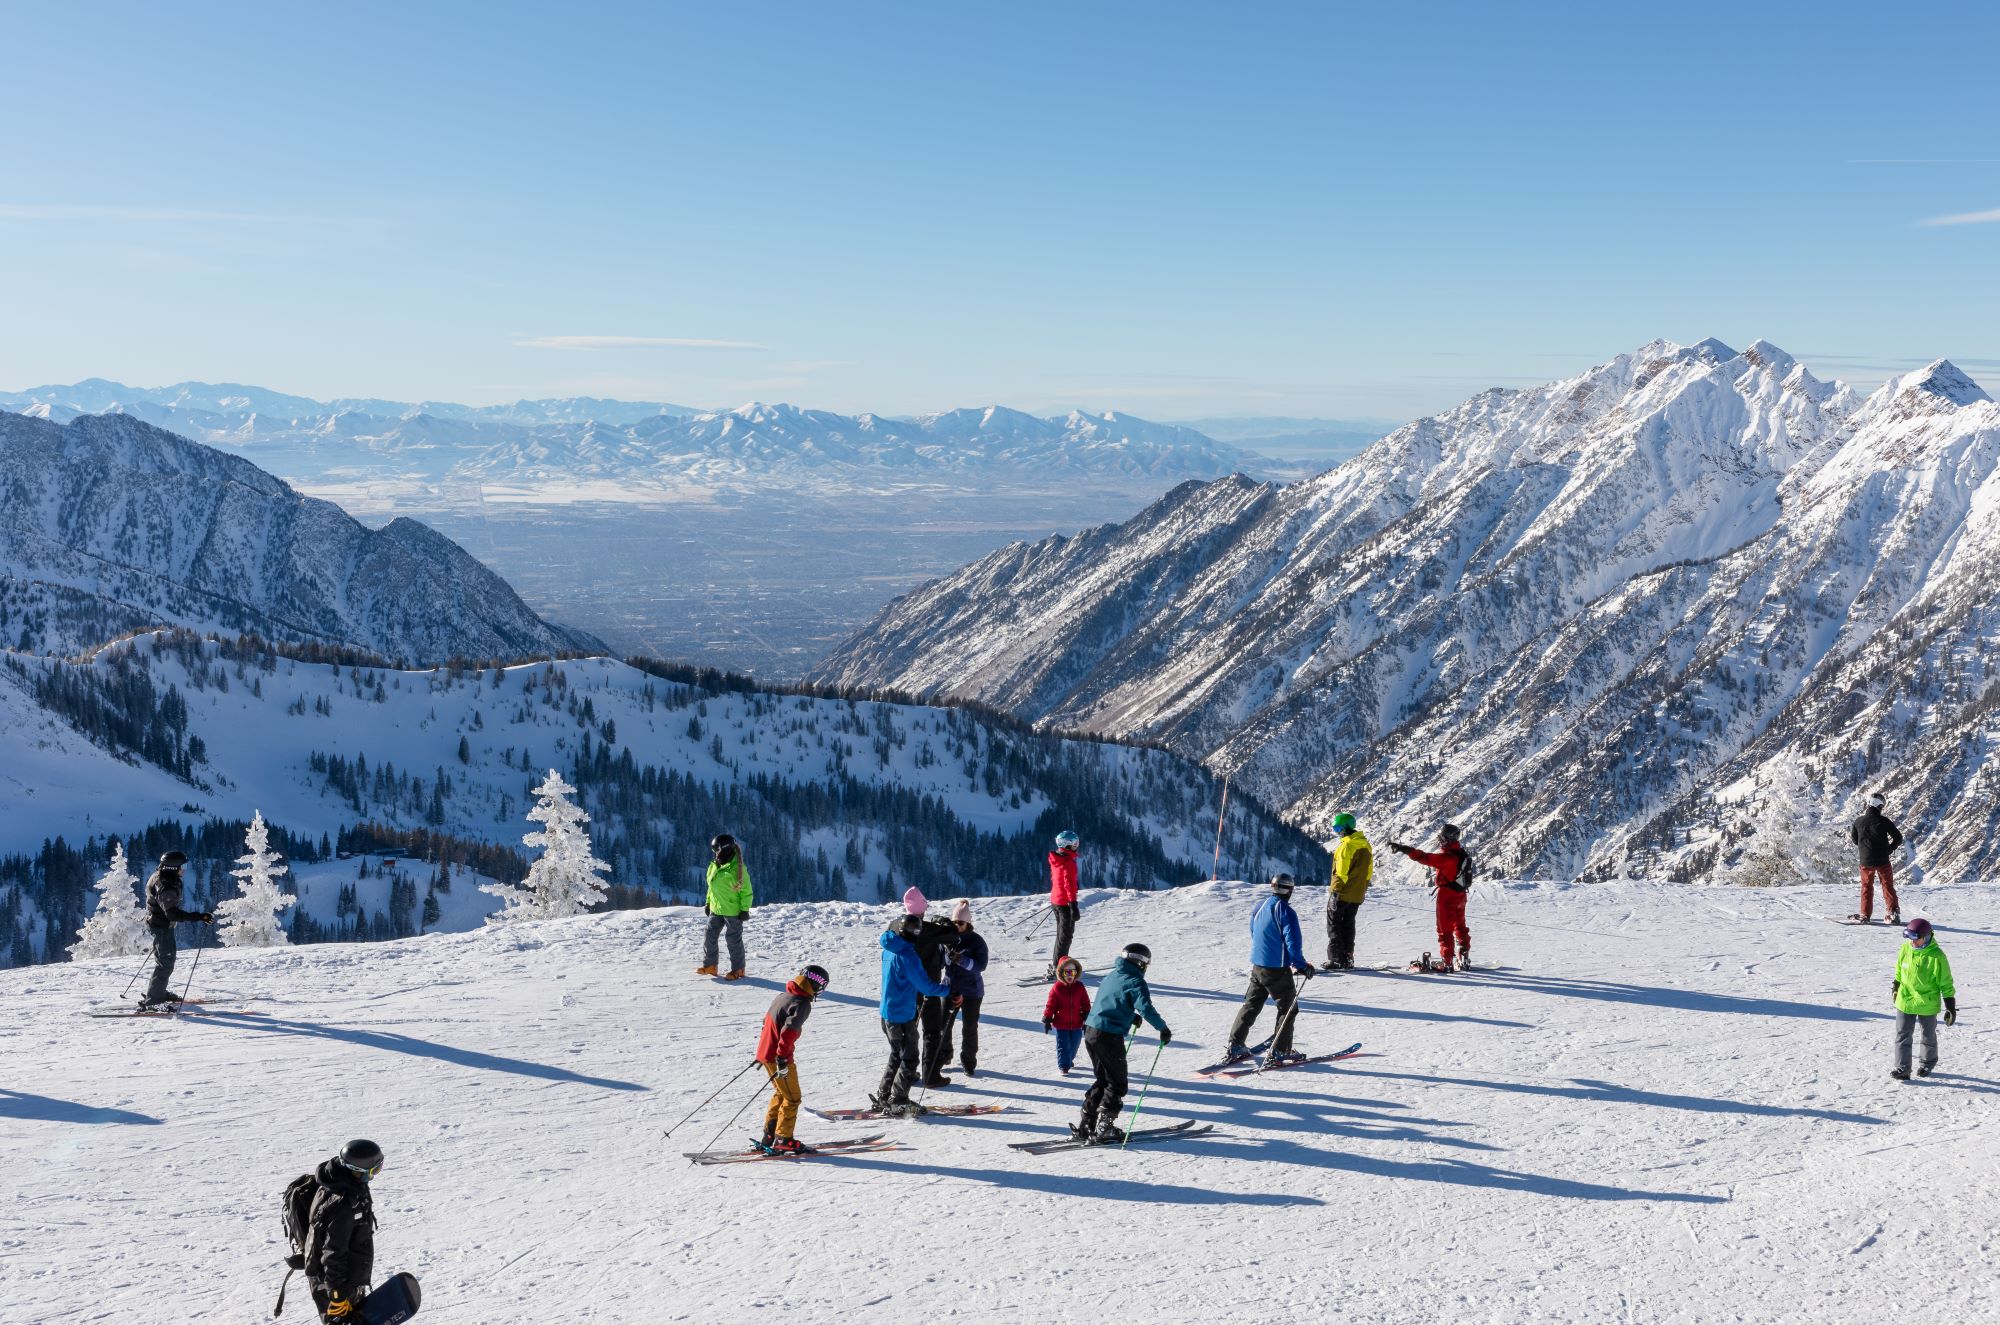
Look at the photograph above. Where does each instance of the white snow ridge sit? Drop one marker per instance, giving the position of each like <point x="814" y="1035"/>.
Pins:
<point x="1656" y="1103"/>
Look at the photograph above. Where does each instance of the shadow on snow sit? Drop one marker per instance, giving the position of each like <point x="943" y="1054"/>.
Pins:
<point x="43" y="1109"/>
<point x="419" y="1048"/>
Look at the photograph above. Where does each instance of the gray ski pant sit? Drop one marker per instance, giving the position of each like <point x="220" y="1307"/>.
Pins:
<point x="1906" y="1025"/>
<point x="717" y="927"/>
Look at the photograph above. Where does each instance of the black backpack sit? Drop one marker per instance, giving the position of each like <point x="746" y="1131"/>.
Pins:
<point x="298" y="1203"/>
<point x="1464" y="880"/>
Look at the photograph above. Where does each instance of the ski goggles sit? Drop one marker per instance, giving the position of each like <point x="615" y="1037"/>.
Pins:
<point x="367" y="1171"/>
<point x="815" y="979"/>
<point x="1917" y="936"/>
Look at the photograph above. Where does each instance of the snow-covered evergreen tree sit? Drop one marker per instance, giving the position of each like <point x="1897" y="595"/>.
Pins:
<point x="563" y="880"/>
<point x="1794" y="840"/>
<point x="118" y="927"/>
<point x="250" y="920"/>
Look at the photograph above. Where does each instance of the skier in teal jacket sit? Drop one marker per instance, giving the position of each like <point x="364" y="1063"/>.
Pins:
<point x="1123" y="1001"/>
<point x="1923" y="981"/>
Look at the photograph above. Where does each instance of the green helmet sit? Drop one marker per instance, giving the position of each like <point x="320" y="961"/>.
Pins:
<point x="1343" y="822"/>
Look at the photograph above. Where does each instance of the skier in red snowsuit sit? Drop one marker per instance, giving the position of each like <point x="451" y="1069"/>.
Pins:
<point x="1451" y="875"/>
<point x="1062" y="895"/>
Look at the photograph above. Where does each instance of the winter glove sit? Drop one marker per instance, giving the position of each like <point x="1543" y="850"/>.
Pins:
<point x="782" y="1069"/>
<point x="1137" y="1022"/>
<point x="746" y="913"/>
<point x="208" y="917"/>
<point x="705" y="911"/>
<point x="1895" y="988"/>
<point x="1398" y="846"/>
<point x="1305" y="972"/>
<point x="338" y="1307"/>
<point x="1166" y="1038"/>
<point x="1951" y="1012"/>
<point x="1048" y="1024"/>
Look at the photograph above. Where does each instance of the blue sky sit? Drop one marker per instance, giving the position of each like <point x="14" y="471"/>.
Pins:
<point x="1172" y="209"/>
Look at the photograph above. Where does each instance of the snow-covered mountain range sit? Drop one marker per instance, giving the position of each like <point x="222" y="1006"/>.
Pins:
<point x="619" y="450"/>
<point x="1618" y="623"/>
<point x="109" y="524"/>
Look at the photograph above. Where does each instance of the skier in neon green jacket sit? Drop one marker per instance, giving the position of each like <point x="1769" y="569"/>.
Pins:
<point x="1923" y="981"/>
<point x="727" y="904"/>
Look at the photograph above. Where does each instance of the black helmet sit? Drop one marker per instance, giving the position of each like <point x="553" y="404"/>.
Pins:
<point x="362" y="1158"/>
<point x="722" y="846"/>
<point x="815" y="978"/>
<point x="1282" y="884"/>
<point x="173" y="860"/>
<point x="1139" y="953"/>
<point x="1449" y="832"/>
<point x="910" y="926"/>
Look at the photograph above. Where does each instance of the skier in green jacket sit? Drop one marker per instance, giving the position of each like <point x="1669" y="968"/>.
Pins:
<point x="1923" y="980"/>
<point x="728" y="905"/>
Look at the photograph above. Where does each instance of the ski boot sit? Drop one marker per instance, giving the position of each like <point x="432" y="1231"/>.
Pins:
<point x="1236" y="1053"/>
<point x="1464" y="962"/>
<point x="1107" y="1134"/>
<point x="1280" y="1060"/>
<point x="936" y="1081"/>
<point x="766" y="1141"/>
<point x="736" y="974"/>
<point x="788" y="1145"/>
<point x="905" y="1109"/>
<point x="1901" y="1074"/>
<point x="704" y="970"/>
<point x="1925" y="1071"/>
<point x="1895" y="918"/>
<point x="1857" y="917"/>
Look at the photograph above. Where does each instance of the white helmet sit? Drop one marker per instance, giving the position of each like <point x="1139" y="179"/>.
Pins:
<point x="1875" y="800"/>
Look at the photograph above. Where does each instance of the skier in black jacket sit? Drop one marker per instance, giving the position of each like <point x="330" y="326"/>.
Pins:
<point x="934" y="937"/>
<point x="1876" y="837"/>
<point x="164" y="895"/>
<point x="340" y="1234"/>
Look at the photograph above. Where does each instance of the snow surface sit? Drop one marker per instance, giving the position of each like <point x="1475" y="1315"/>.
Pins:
<point x="1666" y="1104"/>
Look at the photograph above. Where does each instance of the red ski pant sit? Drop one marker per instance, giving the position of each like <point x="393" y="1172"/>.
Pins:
<point x="1886" y="876"/>
<point x="1452" y="933"/>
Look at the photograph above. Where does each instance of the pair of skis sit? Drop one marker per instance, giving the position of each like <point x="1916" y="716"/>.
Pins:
<point x="187" y="1006"/>
<point x="858" y="1145"/>
<point x="1142" y="1136"/>
<point x="1257" y="1061"/>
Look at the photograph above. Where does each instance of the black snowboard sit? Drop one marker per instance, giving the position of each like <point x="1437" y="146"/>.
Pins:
<point x="392" y="1303"/>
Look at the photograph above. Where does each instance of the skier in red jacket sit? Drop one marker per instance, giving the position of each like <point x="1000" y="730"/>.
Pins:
<point x="1062" y="895"/>
<point x="1451" y="875"/>
<point x="776" y="1044"/>
<point x="1064" y="1012"/>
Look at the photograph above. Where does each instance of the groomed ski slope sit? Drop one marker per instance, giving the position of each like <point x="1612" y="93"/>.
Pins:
<point x="1672" y="1104"/>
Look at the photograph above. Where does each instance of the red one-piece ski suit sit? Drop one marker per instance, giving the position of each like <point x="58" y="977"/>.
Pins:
<point x="1445" y="866"/>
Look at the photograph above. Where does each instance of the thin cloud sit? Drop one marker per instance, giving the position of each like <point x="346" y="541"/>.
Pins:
<point x="1965" y="218"/>
<point x="632" y="342"/>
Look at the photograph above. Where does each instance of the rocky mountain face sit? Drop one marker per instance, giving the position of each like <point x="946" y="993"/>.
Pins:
<point x="1628" y="622"/>
<point x="108" y="524"/>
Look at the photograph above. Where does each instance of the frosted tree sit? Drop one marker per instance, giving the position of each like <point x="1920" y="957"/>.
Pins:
<point x="250" y="919"/>
<point x="117" y="928"/>
<point x="563" y="880"/>
<point x="1793" y="840"/>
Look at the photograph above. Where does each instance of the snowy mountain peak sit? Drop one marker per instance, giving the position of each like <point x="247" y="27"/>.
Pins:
<point x="1942" y="379"/>
<point x="1763" y="354"/>
<point x="1713" y="351"/>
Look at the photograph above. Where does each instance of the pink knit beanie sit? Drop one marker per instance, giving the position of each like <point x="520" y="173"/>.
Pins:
<point x="962" y="913"/>
<point x="914" y="901"/>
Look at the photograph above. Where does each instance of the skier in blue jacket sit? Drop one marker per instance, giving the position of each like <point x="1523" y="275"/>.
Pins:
<point x="903" y="980"/>
<point x="1123" y="1001"/>
<point x="1277" y="950"/>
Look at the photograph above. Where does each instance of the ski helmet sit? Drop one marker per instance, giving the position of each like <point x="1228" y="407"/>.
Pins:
<point x="1449" y="832"/>
<point x="173" y="860"/>
<point x="910" y="926"/>
<point x="1343" y="823"/>
<point x="815" y="978"/>
<point x="1140" y="953"/>
<point x="1282" y="885"/>
<point x="1069" y="964"/>
<point x="1067" y="840"/>
<point x="1918" y="931"/>
<point x="362" y="1158"/>
<point x="722" y="846"/>
<point x="1875" y="800"/>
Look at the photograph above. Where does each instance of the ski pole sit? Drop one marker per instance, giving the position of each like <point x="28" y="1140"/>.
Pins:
<point x="1142" y="1096"/>
<point x="923" y="1089"/>
<point x="135" y="976"/>
<point x="705" y="1103"/>
<point x="188" y="984"/>
<point x="1041" y="918"/>
<point x="732" y="1120"/>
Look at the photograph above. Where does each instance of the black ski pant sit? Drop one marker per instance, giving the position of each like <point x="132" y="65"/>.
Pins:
<point x="166" y="951"/>
<point x="902" y="1069"/>
<point x="1276" y="984"/>
<point x="1340" y="932"/>
<point x="967" y="1015"/>
<point x="1065" y="930"/>
<point x="1105" y="1099"/>
<point x="931" y="1013"/>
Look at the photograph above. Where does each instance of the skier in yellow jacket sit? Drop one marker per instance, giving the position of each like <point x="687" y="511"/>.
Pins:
<point x="1353" y="871"/>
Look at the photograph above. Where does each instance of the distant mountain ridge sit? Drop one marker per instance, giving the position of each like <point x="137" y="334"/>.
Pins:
<point x="607" y="447"/>
<point x="1609" y="624"/>
<point x="109" y="525"/>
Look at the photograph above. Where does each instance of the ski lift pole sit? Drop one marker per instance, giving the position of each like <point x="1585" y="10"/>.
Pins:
<point x="1215" y="870"/>
<point x="1142" y="1095"/>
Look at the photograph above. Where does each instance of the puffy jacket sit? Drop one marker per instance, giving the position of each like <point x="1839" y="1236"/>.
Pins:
<point x="783" y="1021"/>
<point x="965" y="964"/>
<point x="163" y="900"/>
<point x="1062" y="878"/>
<point x="340" y="1232"/>
<point x="1121" y="996"/>
<point x="933" y="937"/>
<point x="728" y="888"/>
<point x="1275" y="939"/>
<point x="1353" y="867"/>
<point x="903" y="979"/>
<point x="1068" y="1005"/>
<point x="1876" y="836"/>
<point x="1923" y="979"/>
<point x="1446" y="865"/>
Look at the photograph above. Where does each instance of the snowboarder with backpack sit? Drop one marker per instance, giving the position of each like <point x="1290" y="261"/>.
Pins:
<point x="1451" y="879"/>
<point x="1876" y="837"/>
<point x="164" y="894"/>
<point x="1277" y="953"/>
<point x="1063" y="895"/>
<point x="1923" y="981"/>
<point x="1353" y="870"/>
<point x="777" y="1046"/>
<point x="903" y="983"/>
<point x="727" y="905"/>
<point x="1123" y="1001"/>
<point x="330" y="1219"/>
